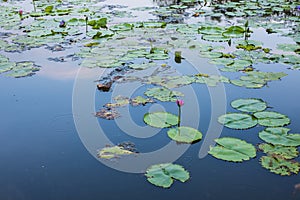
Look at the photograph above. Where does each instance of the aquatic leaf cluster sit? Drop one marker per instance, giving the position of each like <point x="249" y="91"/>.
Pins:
<point x="280" y="145"/>
<point x="254" y="115"/>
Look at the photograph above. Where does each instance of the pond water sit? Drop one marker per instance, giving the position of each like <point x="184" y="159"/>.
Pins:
<point x="50" y="136"/>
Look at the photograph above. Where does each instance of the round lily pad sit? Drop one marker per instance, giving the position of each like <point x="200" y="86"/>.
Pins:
<point x="160" y="119"/>
<point x="163" y="94"/>
<point x="232" y="149"/>
<point x="184" y="134"/>
<point x="163" y="175"/>
<point x="271" y="119"/>
<point x="249" y="105"/>
<point x="237" y="120"/>
<point x="279" y="136"/>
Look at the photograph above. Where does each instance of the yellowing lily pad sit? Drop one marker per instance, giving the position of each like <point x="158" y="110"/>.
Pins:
<point x="113" y="152"/>
<point x="279" y="165"/>
<point x="283" y="151"/>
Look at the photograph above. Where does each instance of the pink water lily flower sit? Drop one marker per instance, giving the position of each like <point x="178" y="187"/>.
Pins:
<point x="20" y="12"/>
<point x="179" y="102"/>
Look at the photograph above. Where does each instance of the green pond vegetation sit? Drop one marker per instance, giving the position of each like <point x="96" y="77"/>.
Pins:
<point x="99" y="41"/>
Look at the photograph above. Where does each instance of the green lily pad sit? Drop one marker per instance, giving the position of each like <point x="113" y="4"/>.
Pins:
<point x="279" y="165"/>
<point x="210" y="30"/>
<point x="237" y="120"/>
<point x="232" y="149"/>
<point x="154" y="24"/>
<point x="163" y="175"/>
<point x="283" y="151"/>
<point x="142" y="66"/>
<point x="184" y="134"/>
<point x="119" y="101"/>
<point x="238" y="65"/>
<point x="140" y="101"/>
<point x="113" y="152"/>
<point x="234" y="31"/>
<point x="160" y="119"/>
<point x="212" y="80"/>
<point x="23" y="69"/>
<point x="280" y="136"/>
<point x="222" y="61"/>
<point x="288" y="47"/>
<point x="163" y="94"/>
<point x="122" y="27"/>
<point x="215" y="38"/>
<point x="249" y="105"/>
<point x="271" y="119"/>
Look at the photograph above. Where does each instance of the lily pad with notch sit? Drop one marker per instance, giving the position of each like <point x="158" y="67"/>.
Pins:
<point x="249" y="105"/>
<point x="163" y="175"/>
<point x="237" y="120"/>
<point x="280" y="136"/>
<point x="271" y="119"/>
<point x="160" y="119"/>
<point x="232" y="149"/>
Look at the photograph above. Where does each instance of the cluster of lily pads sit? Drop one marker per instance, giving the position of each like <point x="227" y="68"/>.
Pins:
<point x="280" y="145"/>
<point x="100" y="42"/>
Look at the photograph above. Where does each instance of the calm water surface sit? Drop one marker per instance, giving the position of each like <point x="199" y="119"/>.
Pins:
<point x="42" y="156"/>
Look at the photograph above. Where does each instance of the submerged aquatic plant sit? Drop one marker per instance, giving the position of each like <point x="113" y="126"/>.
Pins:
<point x="179" y="103"/>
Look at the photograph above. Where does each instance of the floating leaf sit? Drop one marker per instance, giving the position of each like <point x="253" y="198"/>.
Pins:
<point x="23" y="69"/>
<point x="222" y="61"/>
<point x="162" y="175"/>
<point x="184" y="134"/>
<point x="280" y="136"/>
<point x="160" y="119"/>
<point x="140" y="101"/>
<point x="142" y="66"/>
<point x="122" y="27"/>
<point x="282" y="151"/>
<point x="271" y="119"/>
<point x="120" y="101"/>
<point x="215" y="38"/>
<point x="288" y="47"/>
<point x="210" y="30"/>
<point x="279" y="165"/>
<point x="249" y="105"/>
<point x="163" y="94"/>
<point x="237" y="120"/>
<point x="238" y="65"/>
<point x="232" y="149"/>
<point x="113" y="152"/>
<point x="107" y="113"/>
<point x="154" y="24"/>
<point x="234" y="31"/>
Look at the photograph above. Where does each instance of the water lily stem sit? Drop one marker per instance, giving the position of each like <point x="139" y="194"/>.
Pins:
<point x="33" y="6"/>
<point x="179" y="115"/>
<point x="86" y="24"/>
